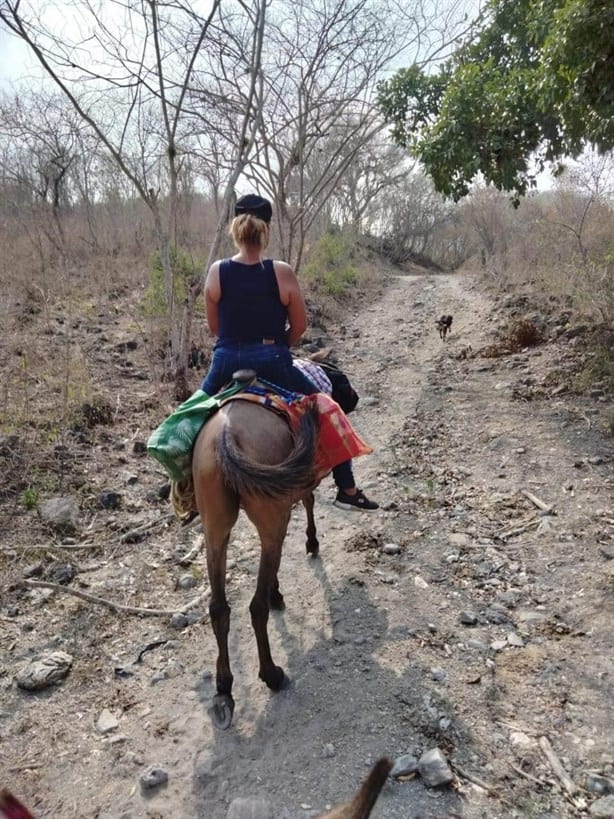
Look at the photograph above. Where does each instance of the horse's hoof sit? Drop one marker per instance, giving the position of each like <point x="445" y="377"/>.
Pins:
<point x="277" y="601"/>
<point x="275" y="679"/>
<point x="286" y="682"/>
<point x="221" y="711"/>
<point x="313" y="547"/>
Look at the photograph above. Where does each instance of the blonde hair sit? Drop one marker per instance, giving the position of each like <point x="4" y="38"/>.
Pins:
<point x="248" y="230"/>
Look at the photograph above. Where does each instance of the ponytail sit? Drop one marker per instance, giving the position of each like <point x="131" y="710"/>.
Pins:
<point x="248" y="230"/>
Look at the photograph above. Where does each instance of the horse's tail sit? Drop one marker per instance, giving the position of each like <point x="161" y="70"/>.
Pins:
<point x="294" y="474"/>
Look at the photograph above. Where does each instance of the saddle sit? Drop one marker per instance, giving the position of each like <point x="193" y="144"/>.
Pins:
<point x="172" y="442"/>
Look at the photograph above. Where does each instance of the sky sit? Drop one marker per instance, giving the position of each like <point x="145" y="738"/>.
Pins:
<point x="18" y="67"/>
<point x="15" y="60"/>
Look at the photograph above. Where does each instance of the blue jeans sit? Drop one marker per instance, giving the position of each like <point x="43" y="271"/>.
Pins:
<point x="272" y="362"/>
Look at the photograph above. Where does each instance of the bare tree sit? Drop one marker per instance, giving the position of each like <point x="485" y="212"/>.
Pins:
<point x="173" y="89"/>
<point x="593" y="173"/>
<point x="40" y="151"/>
<point x="375" y="174"/>
<point x="585" y="185"/>
<point x="128" y="76"/>
<point x="317" y="111"/>
<point x="411" y="219"/>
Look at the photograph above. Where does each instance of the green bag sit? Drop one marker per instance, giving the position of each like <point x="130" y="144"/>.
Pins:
<point x="172" y="442"/>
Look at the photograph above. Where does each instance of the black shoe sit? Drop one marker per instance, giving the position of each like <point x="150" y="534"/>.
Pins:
<point x="357" y="502"/>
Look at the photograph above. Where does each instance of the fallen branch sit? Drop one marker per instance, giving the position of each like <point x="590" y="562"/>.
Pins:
<point x="26" y="766"/>
<point x="43" y="547"/>
<point x="545" y="507"/>
<point x="475" y="780"/>
<point x="518" y="529"/>
<point x="528" y="776"/>
<point x="568" y="784"/>
<point x="125" y="538"/>
<point x="515" y="726"/>
<point x="190" y="556"/>
<point x="120" y="607"/>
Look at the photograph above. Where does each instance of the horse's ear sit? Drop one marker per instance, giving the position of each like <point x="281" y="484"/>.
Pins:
<point x="321" y="355"/>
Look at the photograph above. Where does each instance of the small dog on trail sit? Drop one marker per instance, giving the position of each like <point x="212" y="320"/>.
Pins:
<point x="443" y="324"/>
<point x="361" y="805"/>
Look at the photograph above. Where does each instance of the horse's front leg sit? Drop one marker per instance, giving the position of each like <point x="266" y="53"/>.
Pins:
<point x="312" y="545"/>
<point x="267" y="593"/>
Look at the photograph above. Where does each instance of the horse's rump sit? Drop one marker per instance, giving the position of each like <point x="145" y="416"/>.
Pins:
<point x="247" y="455"/>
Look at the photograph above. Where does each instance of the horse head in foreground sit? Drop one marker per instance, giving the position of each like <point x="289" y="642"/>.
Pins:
<point x="247" y="456"/>
<point x="11" y="807"/>
<point x="362" y="804"/>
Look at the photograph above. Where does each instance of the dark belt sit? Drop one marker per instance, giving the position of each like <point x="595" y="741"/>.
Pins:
<point x="240" y="341"/>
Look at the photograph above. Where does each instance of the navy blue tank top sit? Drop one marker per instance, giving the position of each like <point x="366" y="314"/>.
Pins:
<point x="250" y="309"/>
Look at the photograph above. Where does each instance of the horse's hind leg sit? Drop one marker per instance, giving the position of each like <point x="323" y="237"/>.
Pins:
<point x="276" y="598"/>
<point x="272" y="525"/>
<point x="217" y="530"/>
<point x="312" y="544"/>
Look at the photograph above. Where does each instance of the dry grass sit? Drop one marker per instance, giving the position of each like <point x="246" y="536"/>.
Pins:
<point x="557" y="251"/>
<point x="81" y="353"/>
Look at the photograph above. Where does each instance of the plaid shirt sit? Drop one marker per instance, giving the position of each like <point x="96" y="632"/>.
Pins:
<point x="315" y="374"/>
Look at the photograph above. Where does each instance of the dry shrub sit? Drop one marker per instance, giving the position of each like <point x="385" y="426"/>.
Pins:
<point x="597" y="370"/>
<point x="520" y="336"/>
<point x="557" y="243"/>
<point x="12" y="463"/>
<point x="90" y="415"/>
<point x="27" y="462"/>
<point x="524" y="334"/>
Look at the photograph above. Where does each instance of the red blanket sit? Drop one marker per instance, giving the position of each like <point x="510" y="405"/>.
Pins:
<point x="338" y="441"/>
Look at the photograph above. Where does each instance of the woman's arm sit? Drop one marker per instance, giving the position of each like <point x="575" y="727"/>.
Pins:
<point x="291" y="296"/>
<point x="213" y="294"/>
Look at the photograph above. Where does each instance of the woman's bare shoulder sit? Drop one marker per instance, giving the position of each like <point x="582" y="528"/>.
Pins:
<point x="214" y="268"/>
<point x="212" y="282"/>
<point x="282" y="268"/>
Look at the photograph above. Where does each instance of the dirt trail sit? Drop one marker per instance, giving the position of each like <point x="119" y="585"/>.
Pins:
<point x="379" y="658"/>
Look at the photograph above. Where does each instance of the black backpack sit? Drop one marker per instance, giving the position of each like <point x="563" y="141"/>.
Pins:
<point x="343" y="392"/>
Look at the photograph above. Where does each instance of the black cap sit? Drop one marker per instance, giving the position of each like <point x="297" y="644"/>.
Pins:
<point x="256" y="205"/>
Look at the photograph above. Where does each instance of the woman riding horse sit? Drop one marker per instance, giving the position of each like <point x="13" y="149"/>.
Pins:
<point x="249" y="301"/>
<point x="246" y="456"/>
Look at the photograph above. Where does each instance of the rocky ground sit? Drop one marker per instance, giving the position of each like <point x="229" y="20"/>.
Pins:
<point x="471" y="614"/>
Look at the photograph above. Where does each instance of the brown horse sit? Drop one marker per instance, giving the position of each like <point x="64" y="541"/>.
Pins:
<point x="248" y="456"/>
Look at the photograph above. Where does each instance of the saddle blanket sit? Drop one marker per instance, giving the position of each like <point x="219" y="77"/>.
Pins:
<point x="338" y="441"/>
<point x="171" y="443"/>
